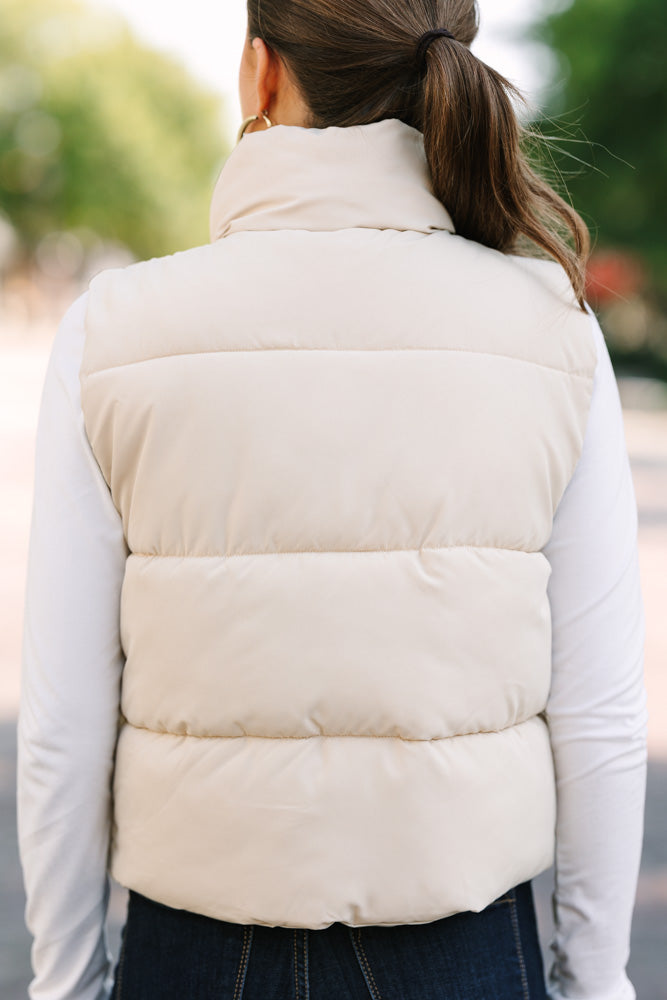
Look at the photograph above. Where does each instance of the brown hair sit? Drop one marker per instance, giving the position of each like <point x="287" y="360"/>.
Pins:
<point x="355" y="62"/>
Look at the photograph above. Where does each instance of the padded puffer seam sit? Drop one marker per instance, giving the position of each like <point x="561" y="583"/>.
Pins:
<point x="340" y="350"/>
<point x="334" y="736"/>
<point x="324" y="552"/>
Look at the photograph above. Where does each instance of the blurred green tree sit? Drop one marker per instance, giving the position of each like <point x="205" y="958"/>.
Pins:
<point x="610" y="97"/>
<point x="99" y="131"/>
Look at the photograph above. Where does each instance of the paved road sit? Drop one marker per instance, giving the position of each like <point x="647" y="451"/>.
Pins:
<point x="21" y="373"/>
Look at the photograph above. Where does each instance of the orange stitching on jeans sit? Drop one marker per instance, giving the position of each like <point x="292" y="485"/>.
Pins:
<point x="247" y="937"/>
<point x="117" y="993"/>
<point x="118" y="984"/>
<point x="519" y="948"/>
<point x="296" y="970"/>
<point x="305" y="962"/>
<point x="363" y="958"/>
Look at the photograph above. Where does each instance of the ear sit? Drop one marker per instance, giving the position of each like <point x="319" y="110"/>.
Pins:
<point x="269" y="74"/>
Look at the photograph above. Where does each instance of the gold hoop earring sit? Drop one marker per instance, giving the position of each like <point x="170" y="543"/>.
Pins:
<point x="249" y="121"/>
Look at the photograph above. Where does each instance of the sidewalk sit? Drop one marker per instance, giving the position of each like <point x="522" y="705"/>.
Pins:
<point x="21" y="375"/>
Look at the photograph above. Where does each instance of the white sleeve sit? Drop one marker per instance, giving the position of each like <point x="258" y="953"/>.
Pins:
<point x="597" y="707"/>
<point x="72" y="663"/>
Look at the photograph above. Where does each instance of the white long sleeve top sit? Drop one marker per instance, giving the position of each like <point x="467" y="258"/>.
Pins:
<point x="73" y="660"/>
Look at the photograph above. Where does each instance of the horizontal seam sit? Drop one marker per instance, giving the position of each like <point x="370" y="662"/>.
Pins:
<point x="341" y="350"/>
<point x="324" y="552"/>
<point x="334" y="736"/>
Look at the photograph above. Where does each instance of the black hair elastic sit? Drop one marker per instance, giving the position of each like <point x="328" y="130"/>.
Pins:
<point x="426" y="39"/>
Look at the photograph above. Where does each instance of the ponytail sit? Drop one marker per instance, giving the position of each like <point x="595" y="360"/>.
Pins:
<point x="473" y="141"/>
<point x="360" y="61"/>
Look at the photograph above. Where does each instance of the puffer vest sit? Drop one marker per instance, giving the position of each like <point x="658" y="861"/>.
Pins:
<point x="337" y="437"/>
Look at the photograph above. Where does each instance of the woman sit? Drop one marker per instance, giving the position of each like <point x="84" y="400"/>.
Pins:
<point x="344" y="499"/>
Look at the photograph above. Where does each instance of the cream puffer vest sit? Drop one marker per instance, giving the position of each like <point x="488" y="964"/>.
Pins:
<point x="336" y="437"/>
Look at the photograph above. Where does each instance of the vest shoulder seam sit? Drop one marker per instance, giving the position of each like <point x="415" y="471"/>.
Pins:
<point x="574" y="373"/>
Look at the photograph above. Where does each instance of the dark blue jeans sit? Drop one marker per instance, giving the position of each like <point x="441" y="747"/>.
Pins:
<point x="175" y="955"/>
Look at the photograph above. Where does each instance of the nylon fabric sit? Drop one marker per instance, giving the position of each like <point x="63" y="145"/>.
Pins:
<point x="337" y="437"/>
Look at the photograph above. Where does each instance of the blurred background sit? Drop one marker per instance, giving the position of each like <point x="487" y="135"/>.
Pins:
<point x="115" y="119"/>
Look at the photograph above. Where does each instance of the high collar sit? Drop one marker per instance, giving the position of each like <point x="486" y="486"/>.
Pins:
<point x="364" y="176"/>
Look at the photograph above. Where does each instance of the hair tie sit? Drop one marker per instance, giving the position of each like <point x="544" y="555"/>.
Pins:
<point x="426" y="39"/>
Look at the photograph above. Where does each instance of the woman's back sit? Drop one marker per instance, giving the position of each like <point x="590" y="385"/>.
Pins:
<point x="309" y="492"/>
<point x="335" y="606"/>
